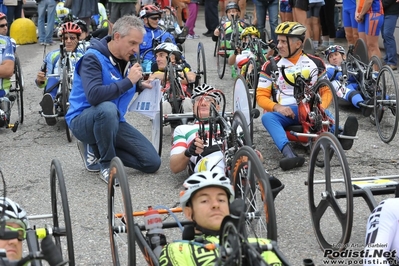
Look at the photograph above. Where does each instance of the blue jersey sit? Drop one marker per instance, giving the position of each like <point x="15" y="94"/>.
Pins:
<point x="7" y="53"/>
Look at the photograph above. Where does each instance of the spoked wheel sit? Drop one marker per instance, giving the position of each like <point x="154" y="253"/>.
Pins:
<point x="360" y="51"/>
<point x="175" y="90"/>
<point x="157" y="130"/>
<point x="240" y="128"/>
<point x="330" y="200"/>
<point x="330" y="115"/>
<point x="251" y="79"/>
<point x="60" y="211"/>
<point x="221" y="53"/>
<point x="65" y="90"/>
<point x="19" y="89"/>
<point x="201" y="63"/>
<point x="308" y="46"/>
<point x="385" y="107"/>
<point x="251" y="183"/>
<point x="120" y="216"/>
<point x="242" y="101"/>
<point x="373" y="69"/>
<point x="230" y="243"/>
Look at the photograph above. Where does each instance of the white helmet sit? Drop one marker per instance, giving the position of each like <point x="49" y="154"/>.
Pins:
<point x="167" y="47"/>
<point x="207" y="90"/>
<point x="202" y="180"/>
<point x="13" y="212"/>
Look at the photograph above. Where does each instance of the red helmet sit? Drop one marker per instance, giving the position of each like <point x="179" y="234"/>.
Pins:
<point x="149" y="10"/>
<point x="70" y="27"/>
<point x="2" y="15"/>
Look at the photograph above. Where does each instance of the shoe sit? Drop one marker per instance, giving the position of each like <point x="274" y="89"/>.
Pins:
<point x="104" y="176"/>
<point x="321" y="48"/>
<point x="275" y="185"/>
<point x="191" y="37"/>
<point x="184" y="32"/>
<point x="43" y="43"/>
<point x="47" y="105"/>
<point x="350" y="129"/>
<point x="90" y="161"/>
<point x="393" y="67"/>
<point x="208" y="34"/>
<point x="366" y="111"/>
<point x="291" y="159"/>
<point x="49" y="43"/>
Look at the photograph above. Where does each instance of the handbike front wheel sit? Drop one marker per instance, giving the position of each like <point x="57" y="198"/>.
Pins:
<point x="330" y="197"/>
<point x="120" y="216"/>
<point x="385" y="106"/>
<point x="201" y="63"/>
<point x="19" y="88"/>
<point x="65" y="90"/>
<point x="251" y="183"/>
<point x="221" y="55"/>
<point x="60" y="210"/>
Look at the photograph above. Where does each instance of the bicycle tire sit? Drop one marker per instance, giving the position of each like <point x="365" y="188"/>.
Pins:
<point x="240" y="128"/>
<point x="251" y="79"/>
<point x="386" y="109"/>
<point x="201" y="58"/>
<point x="117" y="170"/>
<point x="334" y="166"/>
<point x="370" y="80"/>
<point x="19" y="89"/>
<point x="57" y="178"/>
<point x="242" y="102"/>
<point x="65" y="91"/>
<point x="221" y="54"/>
<point x="249" y="177"/>
<point x="175" y="90"/>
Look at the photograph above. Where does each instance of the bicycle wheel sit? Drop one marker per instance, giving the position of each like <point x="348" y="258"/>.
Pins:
<point x="360" y="51"/>
<point x="385" y="107"/>
<point x="251" y="78"/>
<point x="157" y="130"/>
<point x="328" y="197"/>
<point x="370" y="79"/>
<point x="120" y="216"/>
<point x="201" y="68"/>
<point x="240" y="128"/>
<point x="62" y="225"/>
<point x="175" y="90"/>
<point x="242" y="102"/>
<point x="221" y="53"/>
<point x="251" y="183"/>
<point x="19" y="89"/>
<point x="65" y="90"/>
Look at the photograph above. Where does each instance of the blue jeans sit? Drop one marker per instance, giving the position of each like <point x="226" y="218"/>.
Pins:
<point x="271" y="6"/>
<point x="99" y="126"/>
<point x="46" y="34"/>
<point x="275" y="123"/>
<point x="388" y="29"/>
<point x="13" y="13"/>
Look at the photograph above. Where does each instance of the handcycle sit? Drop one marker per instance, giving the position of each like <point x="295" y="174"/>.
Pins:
<point x="226" y="44"/>
<point x="15" y="96"/>
<point x="333" y="189"/>
<point x="63" y="86"/>
<point x="375" y="82"/>
<point x="313" y="117"/>
<point x="174" y="94"/>
<point x="60" y="228"/>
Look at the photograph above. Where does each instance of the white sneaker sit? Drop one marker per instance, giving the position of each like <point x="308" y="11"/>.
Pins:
<point x="191" y="37"/>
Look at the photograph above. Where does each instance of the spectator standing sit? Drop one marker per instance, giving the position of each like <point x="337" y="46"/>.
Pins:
<point x="14" y="11"/>
<point x="192" y="18"/>
<point x="299" y="9"/>
<point x="285" y="11"/>
<point x="391" y="14"/>
<point x="211" y="16"/>
<point x="84" y="9"/>
<point x="271" y="6"/>
<point x="46" y="7"/>
<point x="314" y="20"/>
<point x="327" y="24"/>
<point x="120" y="8"/>
<point x="350" y="23"/>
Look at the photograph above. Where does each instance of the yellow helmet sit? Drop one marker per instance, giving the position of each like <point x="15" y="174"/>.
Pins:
<point x="249" y="31"/>
<point x="291" y="29"/>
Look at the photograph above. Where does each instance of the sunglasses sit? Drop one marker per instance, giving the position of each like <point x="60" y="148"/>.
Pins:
<point x="21" y="232"/>
<point x="207" y="99"/>
<point x="154" y="18"/>
<point x="3" y="25"/>
<point x="70" y="38"/>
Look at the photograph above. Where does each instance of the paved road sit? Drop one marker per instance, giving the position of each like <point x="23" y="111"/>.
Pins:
<point x="27" y="154"/>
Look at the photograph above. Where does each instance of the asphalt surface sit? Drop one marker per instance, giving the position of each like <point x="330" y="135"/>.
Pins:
<point x="27" y="155"/>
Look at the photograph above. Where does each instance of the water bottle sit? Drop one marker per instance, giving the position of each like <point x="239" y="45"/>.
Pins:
<point x="155" y="234"/>
<point x="233" y="72"/>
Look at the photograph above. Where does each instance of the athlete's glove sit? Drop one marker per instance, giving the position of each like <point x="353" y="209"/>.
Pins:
<point x="191" y="150"/>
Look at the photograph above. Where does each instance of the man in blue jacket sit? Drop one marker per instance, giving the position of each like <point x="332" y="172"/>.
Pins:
<point x="104" y="84"/>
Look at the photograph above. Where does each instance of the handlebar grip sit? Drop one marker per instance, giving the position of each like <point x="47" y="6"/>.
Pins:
<point x="51" y="253"/>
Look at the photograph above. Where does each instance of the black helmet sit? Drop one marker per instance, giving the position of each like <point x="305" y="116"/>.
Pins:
<point x="232" y="5"/>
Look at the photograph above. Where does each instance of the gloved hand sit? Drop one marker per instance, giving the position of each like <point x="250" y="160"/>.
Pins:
<point x="193" y="149"/>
